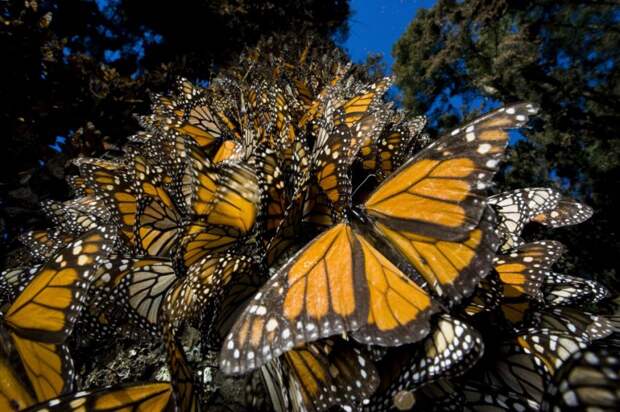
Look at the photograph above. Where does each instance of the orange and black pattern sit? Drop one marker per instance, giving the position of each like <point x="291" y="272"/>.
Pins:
<point x="338" y="283"/>
<point x="287" y="220"/>
<point x="542" y="205"/>
<point x="42" y="316"/>
<point x="320" y="375"/>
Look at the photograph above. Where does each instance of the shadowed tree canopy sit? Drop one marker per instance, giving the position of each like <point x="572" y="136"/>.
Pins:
<point x="459" y="58"/>
<point x="75" y="72"/>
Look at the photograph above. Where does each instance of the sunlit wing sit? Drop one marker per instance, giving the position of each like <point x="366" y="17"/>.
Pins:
<point x="48" y="307"/>
<point x="226" y="196"/>
<point x="452" y="268"/>
<point x="337" y="283"/>
<point x="136" y="397"/>
<point x="440" y="192"/>
<point x="49" y="367"/>
<point x="431" y="208"/>
<point x="14" y="395"/>
<point x="201" y="239"/>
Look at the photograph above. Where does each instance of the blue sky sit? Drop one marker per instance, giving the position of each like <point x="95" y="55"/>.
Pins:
<point x="376" y="25"/>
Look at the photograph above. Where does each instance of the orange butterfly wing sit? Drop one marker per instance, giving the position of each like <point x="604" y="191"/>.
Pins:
<point x="337" y="283"/>
<point x="48" y="307"/>
<point x="49" y="367"/>
<point x="431" y="208"/>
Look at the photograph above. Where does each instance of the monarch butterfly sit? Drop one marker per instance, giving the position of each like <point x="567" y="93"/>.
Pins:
<point x="523" y="270"/>
<point x="97" y="320"/>
<point x="588" y="380"/>
<point x="197" y="294"/>
<point x="333" y="158"/>
<point x="112" y="184"/>
<point x="565" y="290"/>
<point x="487" y="296"/>
<point x="203" y="287"/>
<point x="235" y="296"/>
<point x="158" y="227"/>
<point x="343" y="130"/>
<point x="392" y="147"/>
<point x="47" y="308"/>
<point x="320" y="375"/>
<point x="13" y="395"/>
<point x="201" y="123"/>
<point x="201" y="239"/>
<point x="317" y="107"/>
<point x="317" y="209"/>
<point x="44" y="314"/>
<point x="182" y="376"/>
<point x="271" y="184"/>
<point x="543" y="205"/>
<point x="136" y="397"/>
<point x="573" y="321"/>
<point x="189" y="112"/>
<point x="226" y="196"/>
<point x="355" y="109"/>
<point x="550" y="348"/>
<point x="48" y="367"/>
<point x="139" y="294"/>
<point x="568" y="212"/>
<point x="288" y="236"/>
<point x="516" y="283"/>
<point x="78" y="186"/>
<point x="186" y="90"/>
<point x="451" y="349"/>
<point x="443" y="235"/>
<point x="345" y="285"/>
<point x="430" y="208"/>
<point x="41" y="244"/>
<point x="158" y="222"/>
<point x="76" y="216"/>
<point x="281" y="115"/>
<point x="229" y="150"/>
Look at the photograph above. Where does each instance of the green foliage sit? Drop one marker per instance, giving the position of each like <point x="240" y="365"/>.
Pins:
<point x="81" y="69"/>
<point x="459" y="58"/>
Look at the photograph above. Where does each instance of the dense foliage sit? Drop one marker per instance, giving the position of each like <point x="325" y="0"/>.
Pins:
<point x="75" y="72"/>
<point x="459" y="58"/>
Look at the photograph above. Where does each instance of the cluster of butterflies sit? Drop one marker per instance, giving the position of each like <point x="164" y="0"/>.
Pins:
<point x="318" y="243"/>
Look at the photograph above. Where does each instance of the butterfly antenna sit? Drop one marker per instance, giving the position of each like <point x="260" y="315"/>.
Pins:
<point x="363" y="183"/>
